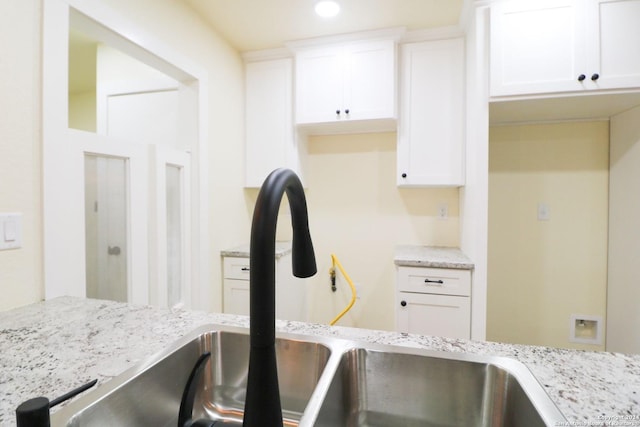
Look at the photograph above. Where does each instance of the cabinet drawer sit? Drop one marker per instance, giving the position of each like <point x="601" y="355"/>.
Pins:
<point x="236" y="268"/>
<point x="440" y="281"/>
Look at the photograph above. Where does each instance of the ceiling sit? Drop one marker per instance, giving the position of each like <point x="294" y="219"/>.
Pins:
<point x="262" y="24"/>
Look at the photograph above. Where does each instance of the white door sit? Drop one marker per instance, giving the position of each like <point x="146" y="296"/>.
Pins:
<point x="170" y="243"/>
<point x="106" y="201"/>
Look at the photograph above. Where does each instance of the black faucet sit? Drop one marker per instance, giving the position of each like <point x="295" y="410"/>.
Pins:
<point x="262" y="404"/>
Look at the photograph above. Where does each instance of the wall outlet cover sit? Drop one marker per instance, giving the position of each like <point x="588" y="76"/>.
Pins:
<point x="544" y="213"/>
<point x="443" y="211"/>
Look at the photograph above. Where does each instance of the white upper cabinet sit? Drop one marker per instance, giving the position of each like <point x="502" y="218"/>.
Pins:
<point x="615" y="42"/>
<point x="270" y="139"/>
<point x="432" y="121"/>
<point x="549" y="46"/>
<point x="346" y="83"/>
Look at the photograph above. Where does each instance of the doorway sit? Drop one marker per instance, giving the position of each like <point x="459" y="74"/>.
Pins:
<point x="122" y="166"/>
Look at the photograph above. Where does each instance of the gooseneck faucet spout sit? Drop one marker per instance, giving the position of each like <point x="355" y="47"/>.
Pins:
<point x="262" y="404"/>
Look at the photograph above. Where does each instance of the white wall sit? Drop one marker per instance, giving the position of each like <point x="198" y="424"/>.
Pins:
<point x="623" y="294"/>
<point x="20" y="150"/>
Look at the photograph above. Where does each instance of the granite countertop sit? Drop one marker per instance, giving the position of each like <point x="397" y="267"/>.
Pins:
<point x="431" y="256"/>
<point x="52" y="347"/>
<point x="242" y="251"/>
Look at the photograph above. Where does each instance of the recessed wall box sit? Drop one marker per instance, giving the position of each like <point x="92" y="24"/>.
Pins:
<point x="586" y="329"/>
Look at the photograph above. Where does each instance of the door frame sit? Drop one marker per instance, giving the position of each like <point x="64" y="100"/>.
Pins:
<point x="64" y="254"/>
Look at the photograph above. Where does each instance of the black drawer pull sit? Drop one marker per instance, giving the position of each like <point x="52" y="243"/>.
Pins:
<point x="245" y="269"/>
<point x="433" y="281"/>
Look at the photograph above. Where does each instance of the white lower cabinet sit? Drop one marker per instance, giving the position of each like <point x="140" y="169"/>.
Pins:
<point x="434" y="301"/>
<point x="291" y="292"/>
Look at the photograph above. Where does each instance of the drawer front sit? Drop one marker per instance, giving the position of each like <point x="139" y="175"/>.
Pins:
<point x="236" y="268"/>
<point x="441" y="281"/>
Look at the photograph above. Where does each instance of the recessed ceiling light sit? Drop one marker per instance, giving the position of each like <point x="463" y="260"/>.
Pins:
<point x="327" y="8"/>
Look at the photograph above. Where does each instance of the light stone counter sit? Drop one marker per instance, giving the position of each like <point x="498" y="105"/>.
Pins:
<point x="242" y="251"/>
<point x="431" y="256"/>
<point x="49" y="348"/>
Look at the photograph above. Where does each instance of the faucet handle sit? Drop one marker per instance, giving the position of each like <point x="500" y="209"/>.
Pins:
<point x="189" y="395"/>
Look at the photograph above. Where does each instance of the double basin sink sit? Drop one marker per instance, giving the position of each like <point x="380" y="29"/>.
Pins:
<point x="324" y="381"/>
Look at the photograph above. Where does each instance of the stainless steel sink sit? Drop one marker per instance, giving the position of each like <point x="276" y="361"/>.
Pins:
<point x="149" y="395"/>
<point x="323" y="382"/>
<point x="382" y="388"/>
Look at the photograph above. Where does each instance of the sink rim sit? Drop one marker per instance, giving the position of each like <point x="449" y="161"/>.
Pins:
<point x="337" y="347"/>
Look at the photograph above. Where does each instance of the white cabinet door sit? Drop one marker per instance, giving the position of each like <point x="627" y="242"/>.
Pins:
<point x="614" y="43"/>
<point x="431" y="125"/>
<point x="551" y="46"/>
<point x="369" y="91"/>
<point x="536" y="47"/>
<point x="236" y="296"/>
<point x="270" y="140"/>
<point x="438" y="315"/>
<point x="345" y="82"/>
<point x="319" y="85"/>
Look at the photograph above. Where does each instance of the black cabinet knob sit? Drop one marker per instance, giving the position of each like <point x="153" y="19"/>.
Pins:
<point x="581" y="77"/>
<point x="403" y="303"/>
<point x="346" y="111"/>
<point x="404" y="175"/>
<point x="595" y="76"/>
<point x="338" y="112"/>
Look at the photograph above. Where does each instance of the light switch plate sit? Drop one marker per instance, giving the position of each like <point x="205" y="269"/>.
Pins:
<point x="544" y="213"/>
<point x="10" y="231"/>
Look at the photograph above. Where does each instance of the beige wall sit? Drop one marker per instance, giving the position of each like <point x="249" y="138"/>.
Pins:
<point x="624" y="226"/>
<point x="357" y="212"/>
<point x="541" y="272"/>
<point x="20" y="151"/>
<point x="20" y="147"/>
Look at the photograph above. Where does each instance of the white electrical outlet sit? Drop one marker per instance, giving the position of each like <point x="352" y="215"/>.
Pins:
<point x="443" y="211"/>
